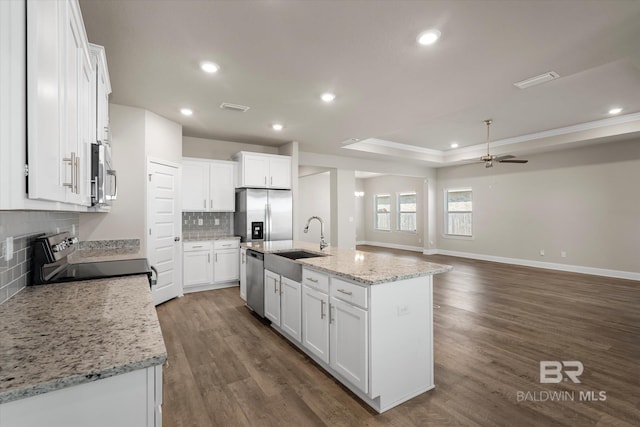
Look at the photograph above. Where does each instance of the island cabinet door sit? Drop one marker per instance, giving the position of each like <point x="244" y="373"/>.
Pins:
<point x="349" y="343"/>
<point x="272" y="296"/>
<point x="291" y="306"/>
<point x="315" y="322"/>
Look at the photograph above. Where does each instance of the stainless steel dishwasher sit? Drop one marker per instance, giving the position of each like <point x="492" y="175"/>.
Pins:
<point x="255" y="281"/>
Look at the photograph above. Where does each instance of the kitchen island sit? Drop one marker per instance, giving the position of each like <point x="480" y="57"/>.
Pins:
<point x="367" y="319"/>
<point x="81" y="353"/>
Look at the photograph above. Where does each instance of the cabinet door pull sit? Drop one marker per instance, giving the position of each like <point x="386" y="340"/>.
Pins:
<point x="216" y="257"/>
<point x="345" y="292"/>
<point x="311" y="279"/>
<point x="208" y="258"/>
<point x="271" y="180"/>
<point x="199" y="246"/>
<point x="331" y="313"/>
<point x="265" y="180"/>
<point x="77" y="174"/>
<point x="71" y="160"/>
<point x="275" y="287"/>
<point x="322" y="309"/>
<point x="205" y="203"/>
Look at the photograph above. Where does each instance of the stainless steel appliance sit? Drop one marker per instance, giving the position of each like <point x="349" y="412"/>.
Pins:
<point x="50" y="263"/>
<point x="255" y="282"/>
<point x="104" y="183"/>
<point x="263" y="214"/>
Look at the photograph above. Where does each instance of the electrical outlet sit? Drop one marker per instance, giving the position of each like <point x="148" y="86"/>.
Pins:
<point x="73" y="229"/>
<point x="200" y="221"/>
<point x="541" y="252"/>
<point x="403" y="310"/>
<point x="563" y="254"/>
<point x="217" y="221"/>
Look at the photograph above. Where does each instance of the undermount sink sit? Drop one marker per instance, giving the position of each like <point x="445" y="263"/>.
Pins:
<point x="299" y="254"/>
<point x="284" y="262"/>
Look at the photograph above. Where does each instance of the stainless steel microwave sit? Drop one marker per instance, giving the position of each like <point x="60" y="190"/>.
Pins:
<point x="104" y="182"/>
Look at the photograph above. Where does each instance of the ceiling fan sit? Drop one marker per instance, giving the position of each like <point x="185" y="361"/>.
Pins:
<point x="489" y="158"/>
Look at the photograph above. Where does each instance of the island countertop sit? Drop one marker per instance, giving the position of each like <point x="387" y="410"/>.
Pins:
<point x="65" y="334"/>
<point x="362" y="267"/>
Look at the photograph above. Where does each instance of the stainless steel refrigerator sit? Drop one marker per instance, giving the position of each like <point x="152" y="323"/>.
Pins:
<point x="263" y="214"/>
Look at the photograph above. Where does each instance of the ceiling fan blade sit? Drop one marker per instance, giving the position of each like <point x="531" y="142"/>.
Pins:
<point x="513" y="161"/>
<point x="505" y="157"/>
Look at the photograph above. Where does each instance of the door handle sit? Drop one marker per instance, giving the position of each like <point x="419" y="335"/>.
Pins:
<point x="322" y="309"/>
<point x="176" y="239"/>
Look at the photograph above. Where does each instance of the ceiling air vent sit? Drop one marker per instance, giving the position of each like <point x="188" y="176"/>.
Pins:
<point x="542" y="78"/>
<point x="234" y="107"/>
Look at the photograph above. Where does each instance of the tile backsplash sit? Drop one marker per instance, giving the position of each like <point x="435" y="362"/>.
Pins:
<point x="204" y="225"/>
<point x="22" y="227"/>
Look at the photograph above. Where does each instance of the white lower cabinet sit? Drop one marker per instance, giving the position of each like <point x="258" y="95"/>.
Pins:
<point x="272" y="296"/>
<point x="349" y="343"/>
<point x="291" y="308"/>
<point x="197" y="265"/>
<point x="243" y="273"/>
<point x="377" y="340"/>
<point x="282" y="303"/>
<point x="226" y="267"/>
<point x="131" y="399"/>
<point x="210" y="265"/>
<point x="315" y="322"/>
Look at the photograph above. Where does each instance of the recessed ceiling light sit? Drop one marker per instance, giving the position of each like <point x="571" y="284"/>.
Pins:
<point x="328" y="97"/>
<point x="428" y="37"/>
<point x="209" y="67"/>
<point x="615" y="111"/>
<point x="277" y="127"/>
<point x="186" y="111"/>
<point x="454" y="145"/>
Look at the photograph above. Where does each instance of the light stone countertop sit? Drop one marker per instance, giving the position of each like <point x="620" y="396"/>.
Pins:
<point x="362" y="267"/>
<point x="60" y="335"/>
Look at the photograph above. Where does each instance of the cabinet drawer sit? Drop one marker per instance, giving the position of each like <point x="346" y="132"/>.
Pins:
<point x="226" y="244"/>
<point x="197" y="246"/>
<point x="319" y="281"/>
<point x="349" y="292"/>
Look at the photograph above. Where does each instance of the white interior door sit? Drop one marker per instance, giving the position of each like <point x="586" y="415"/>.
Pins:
<point x="164" y="219"/>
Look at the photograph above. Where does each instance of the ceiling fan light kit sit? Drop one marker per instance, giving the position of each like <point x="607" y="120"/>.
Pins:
<point x="489" y="158"/>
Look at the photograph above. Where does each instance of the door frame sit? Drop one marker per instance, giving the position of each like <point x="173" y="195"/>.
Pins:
<point x="178" y="251"/>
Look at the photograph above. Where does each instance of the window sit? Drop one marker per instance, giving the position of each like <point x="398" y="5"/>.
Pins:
<point x="382" y="206"/>
<point x="407" y="203"/>
<point x="459" y="212"/>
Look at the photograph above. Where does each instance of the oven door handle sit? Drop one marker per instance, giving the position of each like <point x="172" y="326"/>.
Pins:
<point x="152" y="281"/>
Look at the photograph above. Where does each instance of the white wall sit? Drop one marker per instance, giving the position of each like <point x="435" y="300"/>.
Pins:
<point x="343" y="232"/>
<point x="584" y="201"/>
<point x="127" y="217"/>
<point x="219" y="150"/>
<point x="136" y="135"/>
<point x="392" y="184"/>
<point x="359" y="212"/>
<point x="314" y="199"/>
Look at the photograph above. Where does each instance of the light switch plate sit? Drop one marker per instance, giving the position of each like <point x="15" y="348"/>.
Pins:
<point x="9" y="246"/>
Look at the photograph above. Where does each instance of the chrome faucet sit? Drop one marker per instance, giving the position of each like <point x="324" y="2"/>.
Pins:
<point x="323" y="244"/>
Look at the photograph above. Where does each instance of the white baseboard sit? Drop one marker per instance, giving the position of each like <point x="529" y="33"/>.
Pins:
<point x="630" y="275"/>
<point x="392" y="246"/>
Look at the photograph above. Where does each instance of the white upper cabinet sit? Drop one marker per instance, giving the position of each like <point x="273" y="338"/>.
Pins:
<point x="208" y="185"/>
<point x="257" y="170"/>
<point x="58" y="102"/>
<point x="100" y="90"/>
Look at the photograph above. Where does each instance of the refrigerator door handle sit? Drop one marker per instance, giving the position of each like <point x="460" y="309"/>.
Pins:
<point x="267" y="225"/>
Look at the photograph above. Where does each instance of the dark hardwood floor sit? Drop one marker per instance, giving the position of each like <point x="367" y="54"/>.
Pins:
<point x="493" y="324"/>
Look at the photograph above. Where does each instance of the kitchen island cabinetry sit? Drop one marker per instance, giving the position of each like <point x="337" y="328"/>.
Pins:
<point x="282" y="304"/>
<point x="367" y="319"/>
